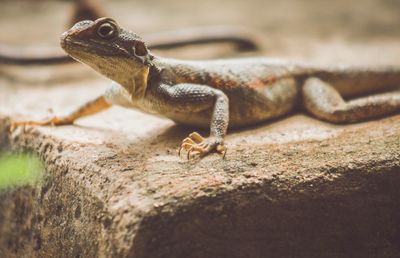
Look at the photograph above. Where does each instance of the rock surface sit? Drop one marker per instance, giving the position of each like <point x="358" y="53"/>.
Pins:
<point x="115" y="186"/>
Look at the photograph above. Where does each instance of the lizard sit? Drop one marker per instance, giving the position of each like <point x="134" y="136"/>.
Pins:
<point x="218" y="94"/>
<point x="90" y="9"/>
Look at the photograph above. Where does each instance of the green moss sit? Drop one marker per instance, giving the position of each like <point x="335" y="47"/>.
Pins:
<point x="19" y="169"/>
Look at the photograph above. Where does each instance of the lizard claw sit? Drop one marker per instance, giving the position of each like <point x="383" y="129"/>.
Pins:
<point x="197" y="145"/>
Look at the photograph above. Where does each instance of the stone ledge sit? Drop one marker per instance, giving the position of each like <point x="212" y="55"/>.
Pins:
<point x="118" y="196"/>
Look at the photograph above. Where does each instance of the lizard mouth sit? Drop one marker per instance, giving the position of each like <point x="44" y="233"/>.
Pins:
<point x="67" y="43"/>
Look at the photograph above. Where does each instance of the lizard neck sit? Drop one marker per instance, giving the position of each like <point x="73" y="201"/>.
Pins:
<point x="131" y="75"/>
<point x="165" y="69"/>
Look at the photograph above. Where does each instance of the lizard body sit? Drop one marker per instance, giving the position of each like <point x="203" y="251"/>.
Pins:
<point x="221" y="93"/>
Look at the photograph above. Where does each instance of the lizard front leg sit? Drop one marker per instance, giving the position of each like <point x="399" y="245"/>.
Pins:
<point x="90" y="108"/>
<point x="192" y="98"/>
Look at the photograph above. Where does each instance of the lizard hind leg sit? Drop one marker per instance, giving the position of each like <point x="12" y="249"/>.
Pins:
<point x="324" y="101"/>
<point x="87" y="109"/>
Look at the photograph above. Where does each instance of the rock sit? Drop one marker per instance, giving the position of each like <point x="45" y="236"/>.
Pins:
<point x="115" y="187"/>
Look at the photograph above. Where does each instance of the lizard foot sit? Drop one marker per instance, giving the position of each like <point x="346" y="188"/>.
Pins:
<point x="197" y="145"/>
<point x="52" y="121"/>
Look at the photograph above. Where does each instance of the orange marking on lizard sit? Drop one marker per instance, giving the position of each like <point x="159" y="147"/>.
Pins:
<point x="259" y="83"/>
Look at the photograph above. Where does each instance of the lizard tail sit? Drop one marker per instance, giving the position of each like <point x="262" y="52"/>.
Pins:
<point x="353" y="81"/>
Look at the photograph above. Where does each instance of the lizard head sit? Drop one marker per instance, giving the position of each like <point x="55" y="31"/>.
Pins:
<point x="116" y="53"/>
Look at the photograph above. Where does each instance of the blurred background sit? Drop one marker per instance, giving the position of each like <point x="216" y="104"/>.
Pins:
<point x="317" y="29"/>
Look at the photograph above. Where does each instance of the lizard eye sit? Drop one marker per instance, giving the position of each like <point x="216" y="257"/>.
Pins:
<point x="106" y="30"/>
<point x="140" y="48"/>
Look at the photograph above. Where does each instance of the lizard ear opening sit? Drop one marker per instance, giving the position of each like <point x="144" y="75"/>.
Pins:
<point x="140" y="48"/>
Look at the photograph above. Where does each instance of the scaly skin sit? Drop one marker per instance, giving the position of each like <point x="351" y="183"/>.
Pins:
<point x="221" y="93"/>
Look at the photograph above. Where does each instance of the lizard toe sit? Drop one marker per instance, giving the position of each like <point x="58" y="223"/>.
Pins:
<point x="198" y="146"/>
<point x="55" y="121"/>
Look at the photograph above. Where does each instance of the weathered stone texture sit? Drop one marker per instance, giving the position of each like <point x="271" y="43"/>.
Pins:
<point x="336" y="197"/>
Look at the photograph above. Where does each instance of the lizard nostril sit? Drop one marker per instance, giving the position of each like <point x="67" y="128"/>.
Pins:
<point x="64" y="35"/>
<point x="63" y="39"/>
